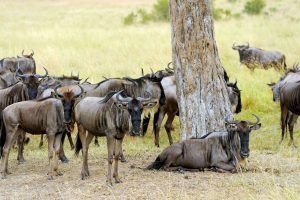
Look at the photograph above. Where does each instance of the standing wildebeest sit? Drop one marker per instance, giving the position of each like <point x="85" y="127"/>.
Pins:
<point x="24" y="90"/>
<point x="68" y="95"/>
<point x="35" y="117"/>
<point x="132" y="87"/>
<point x="254" y="57"/>
<point x="289" y="102"/>
<point x="171" y="106"/>
<point x="110" y="116"/>
<point x="221" y="151"/>
<point x="25" y="64"/>
<point x="292" y="75"/>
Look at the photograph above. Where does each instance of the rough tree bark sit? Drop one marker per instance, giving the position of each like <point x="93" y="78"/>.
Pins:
<point x="202" y="96"/>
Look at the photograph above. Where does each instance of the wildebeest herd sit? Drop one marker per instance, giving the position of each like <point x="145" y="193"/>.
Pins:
<point x="53" y="105"/>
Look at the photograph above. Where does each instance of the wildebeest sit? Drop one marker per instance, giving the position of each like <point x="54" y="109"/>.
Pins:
<point x="35" y="117"/>
<point x="68" y="95"/>
<point x="290" y="76"/>
<point x="111" y="116"/>
<point x="24" y="90"/>
<point x="258" y="58"/>
<point x="25" y="64"/>
<point x="221" y="151"/>
<point x="289" y="102"/>
<point x="171" y="106"/>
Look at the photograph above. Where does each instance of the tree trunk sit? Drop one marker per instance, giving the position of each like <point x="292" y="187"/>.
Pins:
<point x="202" y="96"/>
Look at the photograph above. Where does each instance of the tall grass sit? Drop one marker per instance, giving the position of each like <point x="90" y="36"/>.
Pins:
<point x="89" y="37"/>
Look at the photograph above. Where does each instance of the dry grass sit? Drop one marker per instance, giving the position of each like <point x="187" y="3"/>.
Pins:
<point x="89" y="37"/>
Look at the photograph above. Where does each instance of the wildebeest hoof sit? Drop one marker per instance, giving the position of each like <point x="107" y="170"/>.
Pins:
<point x="40" y="145"/>
<point x="50" y="178"/>
<point x="181" y="171"/>
<point x="117" y="180"/>
<point x="59" y="173"/>
<point x="21" y="161"/>
<point x="109" y="183"/>
<point x="85" y="174"/>
<point x="123" y="159"/>
<point x="64" y="159"/>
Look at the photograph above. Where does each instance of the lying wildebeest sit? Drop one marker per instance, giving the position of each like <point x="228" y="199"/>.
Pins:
<point x="110" y="116"/>
<point x="258" y="58"/>
<point x="289" y="102"/>
<point x="171" y="106"/>
<point x="291" y="75"/>
<point x="221" y="151"/>
<point x="35" y="117"/>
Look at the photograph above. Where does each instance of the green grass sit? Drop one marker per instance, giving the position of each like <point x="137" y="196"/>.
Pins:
<point x="89" y="37"/>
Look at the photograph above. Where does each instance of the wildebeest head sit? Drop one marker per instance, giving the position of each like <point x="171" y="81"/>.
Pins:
<point x="234" y="94"/>
<point x="240" y="47"/>
<point x="32" y="82"/>
<point x="68" y="96"/>
<point x="243" y="128"/>
<point x="275" y="91"/>
<point x="135" y="108"/>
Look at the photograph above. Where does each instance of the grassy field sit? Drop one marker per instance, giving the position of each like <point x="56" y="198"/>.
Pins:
<point x="89" y="37"/>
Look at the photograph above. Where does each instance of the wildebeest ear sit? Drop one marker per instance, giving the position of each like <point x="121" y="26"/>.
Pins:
<point x="149" y="104"/>
<point x="122" y="105"/>
<point x="255" y="127"/>
<point x="271" y="84"/>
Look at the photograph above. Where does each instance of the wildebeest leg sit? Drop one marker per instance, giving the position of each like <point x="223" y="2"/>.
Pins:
<point x="21" y="138"/>
<point x="168" y="126"/>
<point x="161" y="114"/>
<point x="57" y="144"/>
<point x="117" y="151"/>
<point x="284" y="114"/>
<point x="82" y="136"/>
<point x="10" y="140"/>
<point x="291" y="124"/>
<point x="122" y="157"/>
<point x="85" y="171"/>
<point x="51" y="138"/>
<point x="70" y="140"/>
<point x="41" y="141"/>
<point x="224" y="167"/>
<point x="96" y="141"/>
<point x="62" y="155"/>
<point x="111" y="142"/>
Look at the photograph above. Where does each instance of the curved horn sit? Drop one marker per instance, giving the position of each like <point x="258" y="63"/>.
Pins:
<point x="23" y="52"/>
<point x="44" y="76"/>
<point x="257" y="120"/>
<point x="235" y="82"/>
<point x="17" y="72"/>
<point x="32" y="53"/>
<point x="169" y="66"/>
<point x="122" y="99"/>
<point x="230" y="122"/>
<point x="233" y="45"/>
<point x="143" y="99"/>
<point x="56" y="92"/>
<point x="152" y="73"/>
<point x="81" y="91"/>
<point x="142" y="71"/>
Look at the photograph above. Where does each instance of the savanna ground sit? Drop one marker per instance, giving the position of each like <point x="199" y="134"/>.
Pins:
<point x="89" y="37"/>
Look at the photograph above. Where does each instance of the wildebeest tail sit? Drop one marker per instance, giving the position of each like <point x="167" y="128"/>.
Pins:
<point x="157" y="164"/>
<point x="2" y="134"/>
<point x="155" y="119"/>
<point x="284" y="64"/>
<point x="78" y="145"/>
<point x="146" y="123"/>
